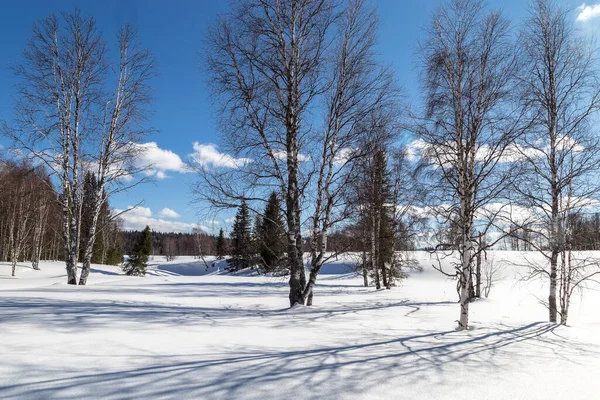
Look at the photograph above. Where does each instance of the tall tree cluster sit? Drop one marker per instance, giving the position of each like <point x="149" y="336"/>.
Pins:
<point x="381" y="197"/>
<point x="28" y="215"/>
<point x="260" y="245"/>
<point x="108" y="244"/>
<point x="30" y="218"/>
<point x="271" y="237"/>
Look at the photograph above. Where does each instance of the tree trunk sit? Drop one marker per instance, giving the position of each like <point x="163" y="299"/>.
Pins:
<point x="374" y="265"/>
<point x="552" y="308"/>
<point x="364" y="267"/>
<point x="91" y="236"/>
<point x="68" y="240"/>
<point x="478" y="276"/>
<point x="465" y="281"/>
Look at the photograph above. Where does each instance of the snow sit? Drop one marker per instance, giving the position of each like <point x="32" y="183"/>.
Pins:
<point x="191" y="331"/>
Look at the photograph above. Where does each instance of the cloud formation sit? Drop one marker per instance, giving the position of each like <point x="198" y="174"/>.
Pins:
<point x="159" y="161"/>
<point x="207" y="156"/>
<point x="587" y="13"/>
<point x="138" y="217"/>
<point x="168" y="213"/>
<point x="282" y="155"/>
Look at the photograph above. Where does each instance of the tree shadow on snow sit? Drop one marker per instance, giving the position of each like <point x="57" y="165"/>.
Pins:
<point x="321" y="371"/>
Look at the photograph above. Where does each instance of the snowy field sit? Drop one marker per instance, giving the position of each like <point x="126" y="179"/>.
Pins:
<point x="185" y="332"/>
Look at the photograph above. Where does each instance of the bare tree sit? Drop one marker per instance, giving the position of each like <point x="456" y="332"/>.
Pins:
<point x="264" y="59"/>
<point x="468" y="69"/>
<point x="491" y="272"/>
<point x="169" y="246"/>
<point x="122" y="127"/>
<point x="293" y="78"/>
<point x="60" y="84"/>
<point x="560" y="153"/>
<point x="63" y="118"/>
<point x="361" y="89"/>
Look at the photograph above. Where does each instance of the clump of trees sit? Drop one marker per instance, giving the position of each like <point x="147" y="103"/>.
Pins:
<point x="30" y="218"/>
<point x="28" y="215"/>
<point x="380" y="197"/>
<point x="262" y="245"/>
<point x="108" y="240"/>
<point x="242" y="251"/>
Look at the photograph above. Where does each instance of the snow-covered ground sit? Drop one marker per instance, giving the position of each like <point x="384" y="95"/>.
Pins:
<point x="188" y="331"/>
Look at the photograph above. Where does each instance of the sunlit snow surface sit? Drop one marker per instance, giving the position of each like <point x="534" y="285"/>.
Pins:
<point x="188" y="330"/>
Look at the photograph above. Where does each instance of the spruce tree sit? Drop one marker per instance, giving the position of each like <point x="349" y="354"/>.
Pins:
<point x="221" y="247"/>
<point x="272" y="241"/>
<point x="241" y="240"/>
<point x="138" y="260"/>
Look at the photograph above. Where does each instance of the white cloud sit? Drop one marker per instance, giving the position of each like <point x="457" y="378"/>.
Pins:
<point x="282" y="155"/>
<point x="159" y="161"/>
<point x="168" y="213"/>
<point x="588" y="12"/>
<point x="207" y="156"/>
<point x="343" y="156"/>
<point x="514" y="152"/>
<point x="415" y="148"/>
<point x="139" y="212"/>
<point x="137" y="219"/>
<point x="230" y="220"/>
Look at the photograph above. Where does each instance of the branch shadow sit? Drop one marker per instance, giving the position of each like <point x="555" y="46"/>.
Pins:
<point x="324" y="371"/>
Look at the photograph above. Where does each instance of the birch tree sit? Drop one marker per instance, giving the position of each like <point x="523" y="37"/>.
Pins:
<point x="469" y="121"/>
<point x="121" y="130"/>
<point x="360" y="89"/>
<point x="264" y="60"/>
<point x="69" y="119"/>
<point x="292" y="78"/>
<point x="560" y="153"/>
<point x="59" y="86"/>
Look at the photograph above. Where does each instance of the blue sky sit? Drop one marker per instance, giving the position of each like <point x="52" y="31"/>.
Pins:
<point x="183" y="114"/>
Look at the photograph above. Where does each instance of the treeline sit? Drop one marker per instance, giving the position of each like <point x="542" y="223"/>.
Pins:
<point x="172" y="244"/>
<point x="581" y="232"/>
<point x="31" y="219"/>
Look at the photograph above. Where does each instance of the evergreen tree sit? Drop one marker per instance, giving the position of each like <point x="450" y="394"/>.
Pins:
<point x="138" y="260"/>
<point x="377" y="222"/>
<point x="272" y="241"/>
<point x="241" y="240"/>
<point x="221" y="245"/>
